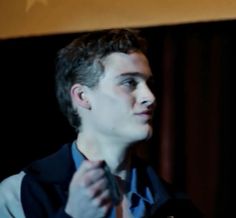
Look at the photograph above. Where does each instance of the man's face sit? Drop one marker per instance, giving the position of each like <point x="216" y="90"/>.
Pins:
<point x="122" y="103"/>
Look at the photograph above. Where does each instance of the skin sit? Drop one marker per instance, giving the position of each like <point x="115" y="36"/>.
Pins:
<point x="115" y="115"/>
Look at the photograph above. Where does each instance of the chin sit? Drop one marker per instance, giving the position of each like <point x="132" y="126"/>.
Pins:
<point x="145" y="134"/>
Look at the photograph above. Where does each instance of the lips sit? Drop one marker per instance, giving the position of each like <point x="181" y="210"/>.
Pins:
<point x="147" y="114"/>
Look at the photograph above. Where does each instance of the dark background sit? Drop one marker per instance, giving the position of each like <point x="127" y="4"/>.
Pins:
<point x="193" y="140"/>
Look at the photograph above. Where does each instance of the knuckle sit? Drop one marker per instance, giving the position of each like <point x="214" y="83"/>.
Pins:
<point x="86" y="180"/>
<point x="90" y="194"/>
<point x="101" y="172"/>
<point x="104" y="198"/>
<point x="93" y="192"/>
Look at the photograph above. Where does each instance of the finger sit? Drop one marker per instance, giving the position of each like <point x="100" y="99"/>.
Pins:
<point x="104" y="198"/>
<point x="94" y="176"/>
<point x="106" y="208"/>
<point x="89" y="165"/>
<point x="88" y="173"/>
<point x="103" y="205"/>
<point x="98" y="187"/>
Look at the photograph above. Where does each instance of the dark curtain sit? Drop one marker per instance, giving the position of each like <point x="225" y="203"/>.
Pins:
<point x="192" y="145"/>
<point x="194" y="65"/>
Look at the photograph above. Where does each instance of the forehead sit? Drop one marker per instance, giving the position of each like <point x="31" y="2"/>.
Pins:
<point x="119" y="63"/>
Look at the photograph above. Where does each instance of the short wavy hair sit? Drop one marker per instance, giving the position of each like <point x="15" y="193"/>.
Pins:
<point x="81" y="62"/>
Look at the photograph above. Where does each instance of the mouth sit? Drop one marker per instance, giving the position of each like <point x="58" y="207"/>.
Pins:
<point x="145" y="115"/>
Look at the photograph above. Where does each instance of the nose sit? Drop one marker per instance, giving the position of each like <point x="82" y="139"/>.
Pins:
<point x="147" y="97"/>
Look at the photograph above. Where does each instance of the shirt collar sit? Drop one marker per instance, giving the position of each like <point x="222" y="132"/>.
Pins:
<point x="77" y="156"/>
<point x="140" y="188"/>
<point x="146" y="184"/>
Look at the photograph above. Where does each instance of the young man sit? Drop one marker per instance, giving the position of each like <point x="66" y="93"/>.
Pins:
<point x="102" y="84"/>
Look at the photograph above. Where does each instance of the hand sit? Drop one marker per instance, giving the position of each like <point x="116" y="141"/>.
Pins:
<point x="89" y="193"/>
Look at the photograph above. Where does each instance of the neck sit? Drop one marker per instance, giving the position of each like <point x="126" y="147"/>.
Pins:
<point x="115" y="153"/>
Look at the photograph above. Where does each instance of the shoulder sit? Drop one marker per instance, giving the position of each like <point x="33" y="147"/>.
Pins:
<point x="10" y="187"/>
<point x="45" y="181"/>
<point x="10" y="200"/>
<point x="44" y="188"/>
<point x="54" y="168"/>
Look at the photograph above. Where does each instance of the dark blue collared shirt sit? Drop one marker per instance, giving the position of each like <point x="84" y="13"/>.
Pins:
<point x="145" y="190"/>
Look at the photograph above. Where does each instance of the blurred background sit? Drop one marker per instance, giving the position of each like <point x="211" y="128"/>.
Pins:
<point x="192" y="52"/>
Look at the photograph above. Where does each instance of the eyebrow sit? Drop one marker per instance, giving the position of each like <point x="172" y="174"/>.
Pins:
<point x="135" y="74"/>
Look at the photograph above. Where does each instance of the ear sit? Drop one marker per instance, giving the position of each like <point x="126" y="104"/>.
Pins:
<point x="78" y="95"/>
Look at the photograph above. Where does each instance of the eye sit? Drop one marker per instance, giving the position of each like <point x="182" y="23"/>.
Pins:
<point x="130" y="83"/>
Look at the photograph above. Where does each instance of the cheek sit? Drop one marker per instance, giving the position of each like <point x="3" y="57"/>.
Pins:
<point x="125" y="99"/>
<point x="116" y="107"/>
<point x="120" y="97"/>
